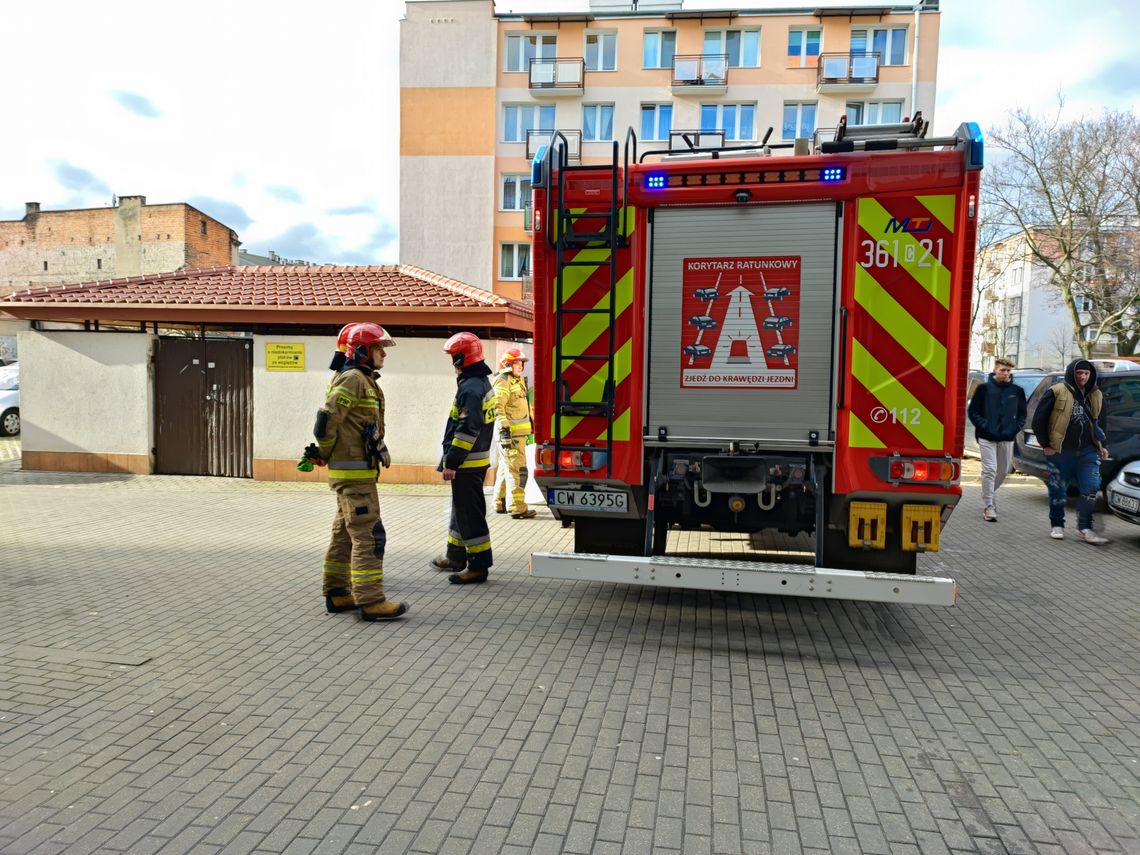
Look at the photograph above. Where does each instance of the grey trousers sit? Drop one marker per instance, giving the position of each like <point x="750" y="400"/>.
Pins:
<point x="996" y="458"/>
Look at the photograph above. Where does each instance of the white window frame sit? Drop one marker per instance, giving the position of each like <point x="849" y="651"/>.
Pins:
<point x="892" y="34"/>
<point x="521" y="127"/>
<point x="660" y="33"/>
<point x="799" y="105"/>
<point x="517" y="179"/>
<point x="803" y="55"/>
<point x="597" y="108"/>
<point x="723" y="38"/>
<point x="546" y="47"/>
<point x="601" y="35"/>
<point x="876" y="107"/>
<point x="656" y="107"/>
<point x="730" y="134"/>
<point x="515" y="251"/>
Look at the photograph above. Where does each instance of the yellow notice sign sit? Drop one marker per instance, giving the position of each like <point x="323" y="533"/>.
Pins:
<point x="284" y="356"/>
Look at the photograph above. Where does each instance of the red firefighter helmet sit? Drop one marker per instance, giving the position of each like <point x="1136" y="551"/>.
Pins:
<point x="465" y="349"/>
<point x="342" y="337"/>
<point x="510" y="357"/>
<point x="361" y="338"/>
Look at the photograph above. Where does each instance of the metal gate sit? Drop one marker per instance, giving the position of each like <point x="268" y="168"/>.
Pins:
<point x="742" y="323"/>
<point x="204" y="407"/>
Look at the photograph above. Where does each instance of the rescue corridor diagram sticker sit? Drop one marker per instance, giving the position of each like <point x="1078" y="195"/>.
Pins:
<point x="740" y="320"/>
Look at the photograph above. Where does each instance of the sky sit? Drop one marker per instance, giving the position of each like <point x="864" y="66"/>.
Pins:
<point x="281" y="117"/>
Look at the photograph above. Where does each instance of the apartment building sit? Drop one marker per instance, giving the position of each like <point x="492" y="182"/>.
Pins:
<point x="482" y="86"/>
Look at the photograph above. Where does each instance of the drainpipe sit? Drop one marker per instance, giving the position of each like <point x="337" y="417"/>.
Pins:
<point x="914" y="61"/>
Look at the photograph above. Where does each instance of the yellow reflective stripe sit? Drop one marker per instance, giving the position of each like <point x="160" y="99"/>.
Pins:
<point x="860" y="436"/>
<point x="352" y="474"/>
<point x="621" y="428"/>
<point x="942" y="207"/>
<point x="927" y="429"/>
<point x="336" y="565"/>
<point x="480" y="547"/>
<point x="932" y="276"/>
<point x="454" y="540"/>
<point x="454" y="412"/>
<point x="916" y="339"/>
<point x="476" y="459"/>
<point x="368" y="575"/>
<point x="521" y="429"/>
<point x="622" y="366"/>
<point x="461" y="443"/>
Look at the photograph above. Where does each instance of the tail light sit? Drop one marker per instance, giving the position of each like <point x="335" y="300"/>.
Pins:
<point x="584" y="460"/>
<point x="918" y="470"/>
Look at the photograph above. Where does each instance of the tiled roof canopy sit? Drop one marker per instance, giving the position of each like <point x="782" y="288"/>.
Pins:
<point x="399" y="294"/>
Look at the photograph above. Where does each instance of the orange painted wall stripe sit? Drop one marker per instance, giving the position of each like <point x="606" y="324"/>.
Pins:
<point x="471" y="108"/>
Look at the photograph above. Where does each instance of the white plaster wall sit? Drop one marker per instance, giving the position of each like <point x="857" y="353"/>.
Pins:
<point x="448" y="43"/>
<point x="86" y="392"/>
<point x="418" y="383"/>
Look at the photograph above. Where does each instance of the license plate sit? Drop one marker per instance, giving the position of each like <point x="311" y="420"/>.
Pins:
<point x="1125" y="503"/>
<point x="589" y="500"/>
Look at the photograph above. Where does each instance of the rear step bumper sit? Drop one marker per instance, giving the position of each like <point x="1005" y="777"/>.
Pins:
<point x="752" y="577"/>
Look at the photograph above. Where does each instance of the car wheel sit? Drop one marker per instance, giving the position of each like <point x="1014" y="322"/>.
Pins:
<point x="10" y="422"/>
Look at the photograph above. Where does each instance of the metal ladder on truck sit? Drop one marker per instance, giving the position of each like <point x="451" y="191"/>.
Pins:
<point x="570" y="244"/>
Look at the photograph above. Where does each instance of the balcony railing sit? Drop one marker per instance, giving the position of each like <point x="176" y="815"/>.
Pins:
<point x="704" y="71"/>
<point x="563" y="76"/>
<point x="534" y="139"/>
<point x="688" y="140"/>
<point x="847" y="70"/>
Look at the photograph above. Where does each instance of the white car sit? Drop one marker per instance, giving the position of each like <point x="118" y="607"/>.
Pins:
<point x="9" y="406"/>
<point x="1123" y="493"/>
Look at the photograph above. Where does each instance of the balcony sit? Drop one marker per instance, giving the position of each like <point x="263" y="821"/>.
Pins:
<point x="682" y="141"/>
<point x="847" y="72"/>
<point x="528" y="217"/>
<point x="704" y="74"/>
<point x="550" y="77"/>
<point x="537" y="139"/>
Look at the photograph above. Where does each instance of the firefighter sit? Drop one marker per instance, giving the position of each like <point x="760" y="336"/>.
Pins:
<point x="466" y="456"/>
<point x="350" y="440"/>
<point x="512" y="408"/>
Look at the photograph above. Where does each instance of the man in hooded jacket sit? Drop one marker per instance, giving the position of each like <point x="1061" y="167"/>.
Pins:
<point x="1069" y="425"/>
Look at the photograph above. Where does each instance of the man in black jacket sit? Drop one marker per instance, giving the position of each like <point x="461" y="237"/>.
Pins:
<point x="997" y="412"/>
<point x="466" y="456"/>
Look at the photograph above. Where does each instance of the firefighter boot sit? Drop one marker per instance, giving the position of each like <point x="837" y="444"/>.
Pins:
<point x="501" y="506"/>
<point x="527" y="514"/>
<point x="383" y="610"/>
<point x="339" y="600"/>
<point x="468" y="577"/>
<point x="445" y="563"/>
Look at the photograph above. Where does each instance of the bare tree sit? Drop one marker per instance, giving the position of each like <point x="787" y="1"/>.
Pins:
<point x="1072" y="189"/>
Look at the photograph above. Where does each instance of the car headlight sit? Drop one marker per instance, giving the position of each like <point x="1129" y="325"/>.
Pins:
<point x="1131" y="478"/>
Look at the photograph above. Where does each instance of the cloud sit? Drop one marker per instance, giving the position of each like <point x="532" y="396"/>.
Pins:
<point x="350" y="210"/>
<point x="76" y="178"/>
<point x="1120" y="77"/>
<point x="135" y="103"/>
<point x="285" y="194"/>
<point x="229" y="213"/>
<point x="307" y="242"/>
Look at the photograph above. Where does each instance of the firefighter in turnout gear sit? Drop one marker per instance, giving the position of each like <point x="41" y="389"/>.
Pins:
<point x="350" y="439"/>
<point x="466" y="456"/>
<point x="512" y="409"/>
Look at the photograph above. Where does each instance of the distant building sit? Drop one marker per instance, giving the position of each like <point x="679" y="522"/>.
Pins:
<point x="89" y="244"/>
<point x="272" y="259"/>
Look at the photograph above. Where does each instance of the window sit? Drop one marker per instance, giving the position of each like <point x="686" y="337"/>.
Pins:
<point x="738" y="121"/>
<point x="520" y="118"/>
<point x="799" y="120"/>
<point x="515" y="192"/>
<point x="514" y="260"/>
<point x="656" y="121"/>
<point x="597" y="122"/>
<point x="203" y="227"/>
<point x="742" y="46"/>
<point x="803" y="48"/>
<point x="524" y="47"/>
<point x="45" y="267"/>
<point x="874" y="112"/>
<point x="601" y="51"/>
<point x="1013" y="309"/>
<point x="658" y="48"/>
<point x="98" y="264"/>
<point x="889" y="44"/>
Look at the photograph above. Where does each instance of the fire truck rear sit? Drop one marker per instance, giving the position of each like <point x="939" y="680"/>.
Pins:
<point x="756" y="341"/>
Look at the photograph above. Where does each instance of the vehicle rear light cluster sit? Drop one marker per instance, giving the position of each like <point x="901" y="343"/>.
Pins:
<point x="918" y="470"/>
<point x="584" y="460"/>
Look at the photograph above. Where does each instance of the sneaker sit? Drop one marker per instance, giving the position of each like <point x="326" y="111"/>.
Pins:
<point x="1057" y="533"/>
<point x="989" y="514"/>
<point x="1090" y="536"/>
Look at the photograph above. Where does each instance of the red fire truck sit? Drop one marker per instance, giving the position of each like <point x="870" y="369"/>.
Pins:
<point x="751" y="340"/>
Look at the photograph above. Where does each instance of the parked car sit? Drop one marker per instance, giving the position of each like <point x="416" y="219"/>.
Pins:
<point x="9" y="403"/>
<point x="697" y="350"/>
<point x="777" y="293"/>
<point x="777" y="322"/>
<point x="1026" y="378"/>
<point x="1121" y="391"/>
<point x="1123" y="493"/>
<point x="777" y="351"/>
<point x="703" y="322"/>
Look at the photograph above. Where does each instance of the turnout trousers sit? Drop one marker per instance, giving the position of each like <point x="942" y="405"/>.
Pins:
<point x="355" y="558"/>
<point x="511" y="460"/>
<point x="468" y="538"/>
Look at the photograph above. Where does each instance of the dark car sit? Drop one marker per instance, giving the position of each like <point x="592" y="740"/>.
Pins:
<point x="777" y="293"/>
<point x="1121" y="391"/>
<point x="777" y="322"/>
<point x="705" y="294"/>
<point x="703" y="322"/>
<point x="697" y="350"/>
<point x="781" y="350"/>
<point x="1026" y="378"/>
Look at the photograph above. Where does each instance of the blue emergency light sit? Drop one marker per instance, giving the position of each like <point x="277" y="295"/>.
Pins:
<point x="834" y="173"/>
<point x="655" y="181"/>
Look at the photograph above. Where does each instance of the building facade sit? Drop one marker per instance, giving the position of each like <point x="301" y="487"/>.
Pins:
<point x="481" y="90"/>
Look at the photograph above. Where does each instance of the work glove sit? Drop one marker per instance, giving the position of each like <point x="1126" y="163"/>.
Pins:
<point x="505" y="439"/>
<point x="385" y="457"/>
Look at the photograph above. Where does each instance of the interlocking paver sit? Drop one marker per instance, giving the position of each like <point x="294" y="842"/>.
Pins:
<point x="541" y="716"/>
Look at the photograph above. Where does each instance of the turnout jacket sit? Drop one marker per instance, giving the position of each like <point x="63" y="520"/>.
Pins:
<point x="467" y="437"/>
<point x="512" y="404"/>
<point x="353" y="402"/>
<point x="997" y="410"/>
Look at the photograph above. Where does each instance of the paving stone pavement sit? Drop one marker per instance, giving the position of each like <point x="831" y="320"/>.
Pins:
<point x="170" y="682"/>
